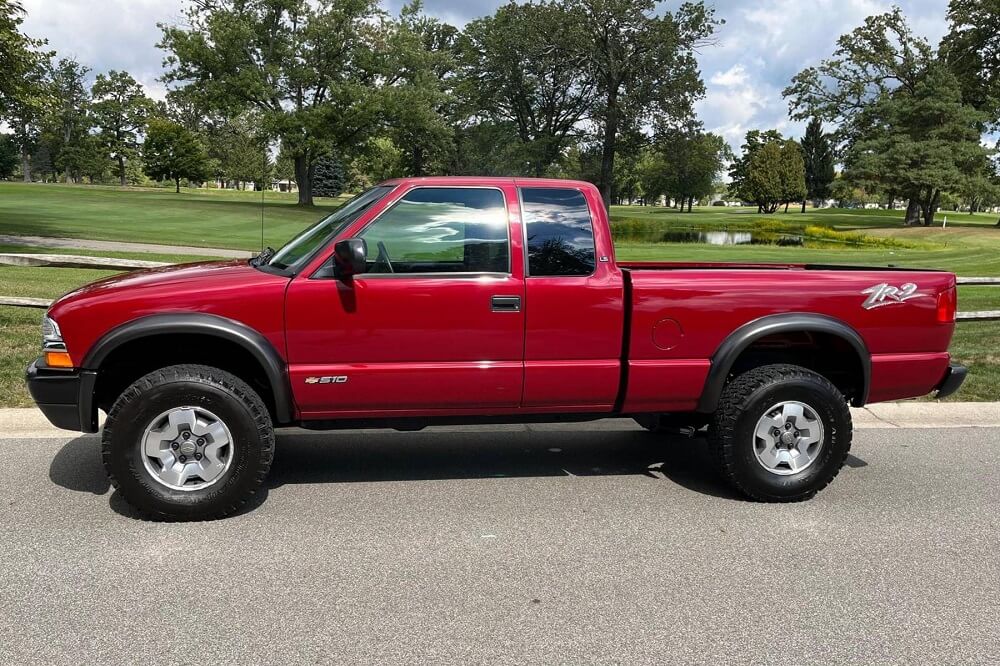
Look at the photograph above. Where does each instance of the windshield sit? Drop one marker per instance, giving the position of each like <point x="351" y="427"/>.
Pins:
<point x="298" y="250"/>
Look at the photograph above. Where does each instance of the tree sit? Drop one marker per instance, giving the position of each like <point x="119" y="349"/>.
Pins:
<point x="330" y="179"/>
<point x="19" y="57"/>
<point x="239" y="150"/>
<point x="903" y="123"/>
<point x="539" y="82"/>
<point x="643" y="65"/>
<point x="817" y="153"/>
<point x="84" y="158"/>
<point x="120" y="107"/>
<point x="68" y="122"/>
<point x="921" y="144"/>
<point x="8" y="156"/>
<point x="419" y="102"/>
<point x="691" y="160"/>
<point x="313" y="70"/>
<point x="792" y="173"/>
<point x="972" y="50"/>
<point x="171" y="151"/>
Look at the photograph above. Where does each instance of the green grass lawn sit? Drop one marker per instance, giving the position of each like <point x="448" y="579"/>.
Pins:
<point x="200" y="218"/>
<point x="970" y="246"/>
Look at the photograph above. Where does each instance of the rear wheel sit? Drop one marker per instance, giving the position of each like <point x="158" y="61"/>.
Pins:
<point x="781" y="433"/>
<point x="188" y="442"/>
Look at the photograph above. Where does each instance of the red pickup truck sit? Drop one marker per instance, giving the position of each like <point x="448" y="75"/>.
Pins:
<point x="469" y="300"/>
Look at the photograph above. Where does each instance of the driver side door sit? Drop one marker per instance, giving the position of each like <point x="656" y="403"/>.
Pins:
<point x="434" y="326"/>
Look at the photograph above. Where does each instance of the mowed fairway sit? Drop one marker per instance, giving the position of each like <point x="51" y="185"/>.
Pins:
<point x="201" y="218"/>
<point x="970" y="246"/>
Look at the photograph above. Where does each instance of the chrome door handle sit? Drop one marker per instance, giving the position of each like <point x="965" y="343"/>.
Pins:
<point x="506" y="303"/>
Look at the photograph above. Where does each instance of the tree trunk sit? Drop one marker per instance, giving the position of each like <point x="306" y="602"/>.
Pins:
<point x="892" y="201"/>
<point x="690" y="203"/>
<point x="25" y="165"/>
<point x="803" y="205"/>
<point x="303" y="178"/>
<point x="912" y="212"/>
<point x="177" y="182"/>
<point x="608" y="148"/>
<point x="931" y="208"/>
<point x="121" y="171"/>
<point x="786" y="206"/>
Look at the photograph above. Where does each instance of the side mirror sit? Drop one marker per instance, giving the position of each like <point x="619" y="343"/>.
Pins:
<point x="349" y="257"/>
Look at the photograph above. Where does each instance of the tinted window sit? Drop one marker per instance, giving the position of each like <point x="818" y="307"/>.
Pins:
<point x="560" y="233"/>
<point x="441" y="230"/>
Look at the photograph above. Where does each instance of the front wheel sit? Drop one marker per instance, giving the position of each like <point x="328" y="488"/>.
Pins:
<point x="188" y="442"/>
<point x="781" y="433"/>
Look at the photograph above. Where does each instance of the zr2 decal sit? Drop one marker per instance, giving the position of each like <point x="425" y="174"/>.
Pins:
<point x="338" y="379"/>
<point x="885" y="294"/>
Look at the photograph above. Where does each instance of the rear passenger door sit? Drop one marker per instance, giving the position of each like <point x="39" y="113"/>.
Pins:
<point x="574" y="302"/>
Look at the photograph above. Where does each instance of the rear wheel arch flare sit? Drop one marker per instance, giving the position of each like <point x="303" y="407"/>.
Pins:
<point x="249" y="340"/>
<point x="740" y="340"/>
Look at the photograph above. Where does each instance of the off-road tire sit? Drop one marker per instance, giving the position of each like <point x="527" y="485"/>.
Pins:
<point x="745" y="399"/>
<point x="224" y="394"/>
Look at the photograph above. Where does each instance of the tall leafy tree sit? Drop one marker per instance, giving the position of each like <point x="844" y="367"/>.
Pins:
<point x="691" y="159"/>
<point x="538" y="82"/>
<point x="888" y="89"/>
<point x="419" y="99"/>
<point x="820" y="167"/>
<point x="643" y="64"/>
<point x="921" y="145"/>
<point x="770" y="172"/>
<point x="173" y="152"/>
<point x="313" y="70"/>
<point x="120" y="109"/>
<point x="68" y="123"/>
<point x="20" y="56"/>
<point x="972" y="50"/>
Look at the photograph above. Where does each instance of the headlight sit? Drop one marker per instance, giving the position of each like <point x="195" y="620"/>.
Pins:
<point x="50" y="331"/>
<point x="53" y="345"/>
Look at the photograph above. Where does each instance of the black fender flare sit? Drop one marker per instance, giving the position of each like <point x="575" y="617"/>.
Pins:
<point x="199" y="323"/>
<point x="793" y="322"/>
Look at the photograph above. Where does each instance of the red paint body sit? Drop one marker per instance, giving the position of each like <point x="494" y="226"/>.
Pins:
<point x="415" y="345"/>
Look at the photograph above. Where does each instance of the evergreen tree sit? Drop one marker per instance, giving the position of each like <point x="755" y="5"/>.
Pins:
<point x="329" y="180"/>
<point x="817" y="152"/>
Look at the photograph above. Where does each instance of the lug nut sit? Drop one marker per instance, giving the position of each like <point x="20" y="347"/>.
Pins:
<point x="788" y="426"/>
<point x="197" y="456"/>
<point x="186" y="435"/>
<point x="201" y="441"/>
<point x="183" y="458"/>
<point x="175" y="446"/>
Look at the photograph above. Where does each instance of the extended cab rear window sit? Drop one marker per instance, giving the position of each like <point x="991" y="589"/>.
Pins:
<point x="560" y="233"/>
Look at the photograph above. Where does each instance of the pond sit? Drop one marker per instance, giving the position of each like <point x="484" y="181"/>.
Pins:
<point x="723" y="238"/>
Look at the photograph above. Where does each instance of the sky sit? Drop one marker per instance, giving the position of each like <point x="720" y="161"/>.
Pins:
<point x="761" y="46"/>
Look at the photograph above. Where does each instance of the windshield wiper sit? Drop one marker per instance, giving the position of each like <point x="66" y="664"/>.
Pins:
<point x="264" y="257"/>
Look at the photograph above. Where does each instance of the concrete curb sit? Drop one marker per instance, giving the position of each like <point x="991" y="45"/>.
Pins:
<point x="30" y="423"/>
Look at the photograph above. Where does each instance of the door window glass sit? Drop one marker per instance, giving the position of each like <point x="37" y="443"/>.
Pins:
<point x="441" y="230"/>
<point x="559" y="231"/>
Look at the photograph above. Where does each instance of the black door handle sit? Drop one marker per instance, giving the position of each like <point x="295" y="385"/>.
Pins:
<point x="506" y="303"/>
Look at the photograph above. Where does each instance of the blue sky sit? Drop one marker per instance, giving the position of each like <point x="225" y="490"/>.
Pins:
<point x="762" y="45"/>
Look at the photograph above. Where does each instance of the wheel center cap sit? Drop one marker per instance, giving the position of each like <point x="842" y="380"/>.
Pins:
<point x="188" y="448"/>
<point x="787" y="438"/>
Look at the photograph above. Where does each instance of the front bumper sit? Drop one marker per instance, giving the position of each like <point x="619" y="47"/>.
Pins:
<point x="952" y="381"/>
<point x="66" y="397"/>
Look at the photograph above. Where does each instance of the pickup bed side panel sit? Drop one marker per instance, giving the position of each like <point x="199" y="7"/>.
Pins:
<point x="680" y="318"/>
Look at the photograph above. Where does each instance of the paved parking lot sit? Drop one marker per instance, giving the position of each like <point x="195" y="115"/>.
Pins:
<point x="590" y="543"/>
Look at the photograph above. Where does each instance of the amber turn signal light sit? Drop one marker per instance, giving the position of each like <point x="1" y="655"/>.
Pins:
<point x="58" y="359"/>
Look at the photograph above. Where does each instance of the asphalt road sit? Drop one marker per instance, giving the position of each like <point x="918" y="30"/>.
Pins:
<point x="568" y="545"/>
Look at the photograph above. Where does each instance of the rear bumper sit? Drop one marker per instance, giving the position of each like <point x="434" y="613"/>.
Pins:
<point x="66" y="397"/>
<point x="953" y="379"/>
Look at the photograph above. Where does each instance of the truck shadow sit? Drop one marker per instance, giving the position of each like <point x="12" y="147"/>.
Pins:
<point x="385" y="456"/>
